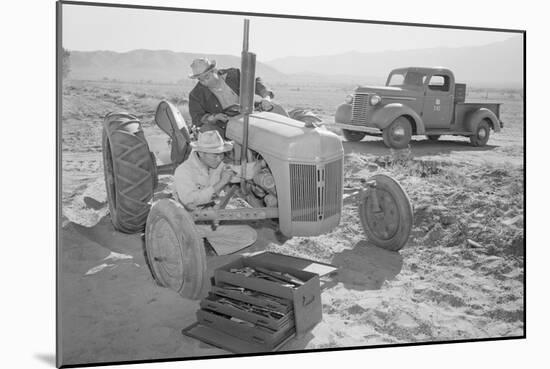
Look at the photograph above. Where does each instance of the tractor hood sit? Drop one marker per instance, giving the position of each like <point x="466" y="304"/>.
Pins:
<point x="387" y="91"/>
<point x="286" y="138"/>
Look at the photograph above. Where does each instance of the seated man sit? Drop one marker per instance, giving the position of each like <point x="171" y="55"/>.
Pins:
<point x="203" y="175"/>
<point x="217" y="90"/>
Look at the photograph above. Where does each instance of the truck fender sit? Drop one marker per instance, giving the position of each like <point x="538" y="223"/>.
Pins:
<point x="478" y="115"/>
<point x="388" y="113"/>
<point x="343" y="114"/>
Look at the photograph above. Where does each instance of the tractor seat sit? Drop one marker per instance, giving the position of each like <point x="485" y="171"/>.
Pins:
<point x="169" y="119"/>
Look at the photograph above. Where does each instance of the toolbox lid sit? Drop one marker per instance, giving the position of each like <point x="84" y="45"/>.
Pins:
<point x="306" y="265"/>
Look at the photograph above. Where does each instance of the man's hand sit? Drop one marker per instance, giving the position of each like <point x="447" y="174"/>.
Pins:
<point x="219" y="116"/>
<point x="266" y="104"/>
<point x="225" y="177"/>
<point x="227" y="174"/>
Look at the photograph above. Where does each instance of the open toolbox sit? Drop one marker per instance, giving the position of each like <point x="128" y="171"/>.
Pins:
<point x="260" y="302"/>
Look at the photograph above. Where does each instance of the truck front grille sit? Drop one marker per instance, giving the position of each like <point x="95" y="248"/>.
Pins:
<point x="315" y="191"/>
<point x="359" y="109"/>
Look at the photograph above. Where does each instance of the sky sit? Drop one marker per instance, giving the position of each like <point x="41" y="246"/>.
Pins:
<point x="88" y="28"/>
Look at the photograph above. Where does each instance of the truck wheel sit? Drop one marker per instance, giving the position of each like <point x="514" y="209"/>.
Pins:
<point x="353" y="136"/>
<point x="389" y="226"/>
<point x="174" y="249"/>
<point x="130" y="172"/>
<point x="398" y="134"/>
<point x="481" y="134"/>
<point x="433" y="137"/>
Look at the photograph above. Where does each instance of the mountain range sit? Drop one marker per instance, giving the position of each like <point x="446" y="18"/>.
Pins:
<point x="149" y="65"/>
<point x="498" y="64"/>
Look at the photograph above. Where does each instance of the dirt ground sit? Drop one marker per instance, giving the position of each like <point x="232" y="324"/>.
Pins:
<point x="460" y="276"/>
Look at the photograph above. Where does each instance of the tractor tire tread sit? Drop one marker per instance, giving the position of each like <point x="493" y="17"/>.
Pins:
<point x="129" y="165"/>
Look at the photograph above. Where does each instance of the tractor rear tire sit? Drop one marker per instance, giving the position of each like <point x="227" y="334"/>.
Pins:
<point x="390" y="227"/>
<point x="130" y="172"/>
<point x="398" y="134"/>
<point x="353" y="136"/>
<point x="175" y="250"/>
<point x="481" y="134"/>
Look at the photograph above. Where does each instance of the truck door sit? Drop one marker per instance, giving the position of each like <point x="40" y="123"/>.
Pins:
<point x="438" y="102"/>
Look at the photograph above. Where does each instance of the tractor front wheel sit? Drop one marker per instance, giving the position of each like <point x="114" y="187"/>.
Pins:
<point x="386" y="213"/>
<point x="175" y="250"/>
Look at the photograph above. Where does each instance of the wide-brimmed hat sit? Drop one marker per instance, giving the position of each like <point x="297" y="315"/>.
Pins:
<point x="211" y="142"/>
<point x="201" y="66"/>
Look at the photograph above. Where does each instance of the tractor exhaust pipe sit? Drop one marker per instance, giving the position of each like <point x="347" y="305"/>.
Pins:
<point x="246" y="98"/>
<point x="248" y="70"/>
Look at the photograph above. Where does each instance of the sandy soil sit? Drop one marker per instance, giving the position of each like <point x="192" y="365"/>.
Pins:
<point x="440" y="286"/>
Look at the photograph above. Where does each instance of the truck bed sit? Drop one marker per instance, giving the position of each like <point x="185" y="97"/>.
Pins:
<point x="476" y="104"/>
<point x="463" y="108"/>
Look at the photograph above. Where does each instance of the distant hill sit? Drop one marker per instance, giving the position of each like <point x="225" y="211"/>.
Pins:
<point x="498" y="64"/>
<point x="145" y="65"/>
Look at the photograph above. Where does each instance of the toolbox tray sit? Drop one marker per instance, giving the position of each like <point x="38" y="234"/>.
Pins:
<point x="212" y="303"/>
<point x="227" y="342"/>
<point x="272" y="302"/>
<point x="265" y="337"/>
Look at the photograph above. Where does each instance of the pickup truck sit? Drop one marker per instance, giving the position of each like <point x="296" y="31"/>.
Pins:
<point x="416" y="101"/>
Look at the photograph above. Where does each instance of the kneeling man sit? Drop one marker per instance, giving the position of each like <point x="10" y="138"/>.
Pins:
<point x="203" y="175"/>
<point x="198" y="182"/>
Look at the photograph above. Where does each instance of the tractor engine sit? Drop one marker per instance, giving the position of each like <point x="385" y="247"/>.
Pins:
<point x="262" y="186"/>
<point x="302" y="174"/>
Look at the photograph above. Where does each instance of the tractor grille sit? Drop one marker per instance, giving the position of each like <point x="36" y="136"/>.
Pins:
<point x="316" y="191"/>
<point x="360" y="107"/>
<point x="333" y="184"/>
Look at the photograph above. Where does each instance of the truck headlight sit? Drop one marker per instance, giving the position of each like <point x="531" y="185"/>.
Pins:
<point x="375" y="99"/>
<point x="349" y="99"/>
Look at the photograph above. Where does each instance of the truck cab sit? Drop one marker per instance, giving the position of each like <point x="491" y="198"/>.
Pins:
<point x="435" y="92"/>
<point x="416" y="101"/>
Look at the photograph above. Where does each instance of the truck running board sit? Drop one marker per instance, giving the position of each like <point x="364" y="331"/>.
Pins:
<point x="447" y="132"/>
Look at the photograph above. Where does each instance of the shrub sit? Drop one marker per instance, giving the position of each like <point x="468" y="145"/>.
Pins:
<point x="65" y="63"/>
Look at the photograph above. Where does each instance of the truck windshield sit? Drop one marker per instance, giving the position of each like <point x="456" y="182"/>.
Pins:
<point x="399" y="79"/>
<point x="396" y="79"/>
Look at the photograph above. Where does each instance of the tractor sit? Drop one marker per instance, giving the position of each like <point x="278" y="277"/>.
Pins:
<point x="299" y="186"/>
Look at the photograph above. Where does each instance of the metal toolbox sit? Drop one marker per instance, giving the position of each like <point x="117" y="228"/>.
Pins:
<point x="306" y="299"/>
<point x="228" y="317"/>
<point x="460" y="92"/>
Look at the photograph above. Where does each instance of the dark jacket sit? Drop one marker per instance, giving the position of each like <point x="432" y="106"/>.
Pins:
<point x="202" y="101"/>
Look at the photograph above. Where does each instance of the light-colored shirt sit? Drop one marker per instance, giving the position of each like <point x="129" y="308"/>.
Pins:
<point x="225" y="94"/>
<point x="194" y="181"/>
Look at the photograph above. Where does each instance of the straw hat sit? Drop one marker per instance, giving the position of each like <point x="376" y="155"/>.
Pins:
<point x="201" y="66"/>
<point x="211" y="142"/>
